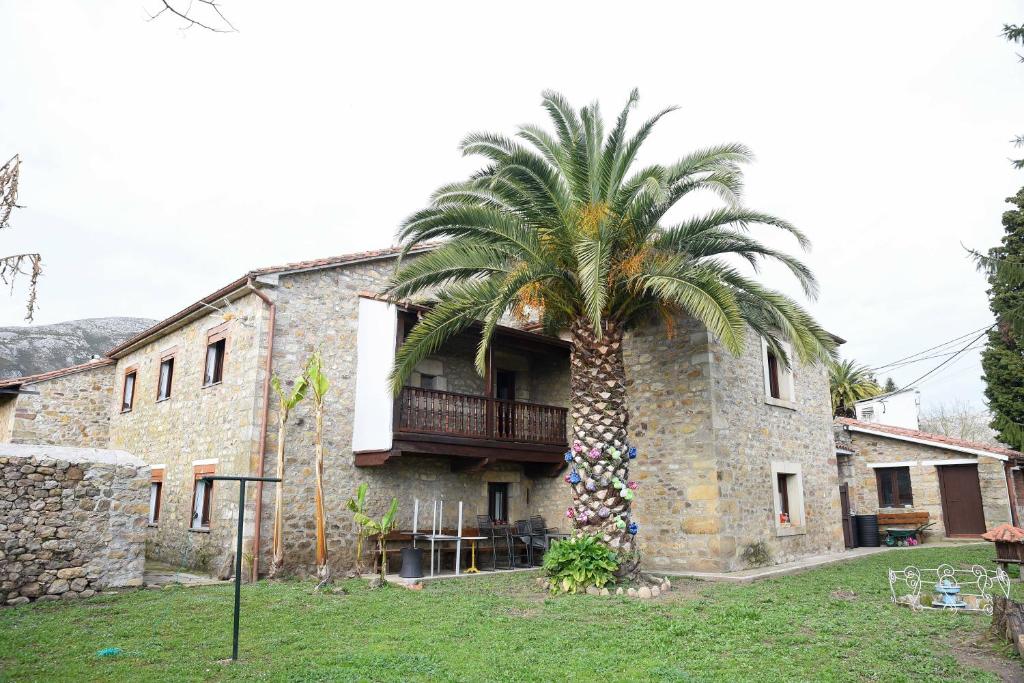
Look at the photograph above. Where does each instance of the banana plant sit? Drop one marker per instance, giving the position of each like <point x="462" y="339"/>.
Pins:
<point x="381" y="528"/>
<point x="358" y="506"/>
<point x="318" y="386"/>
<point x="286" y="401"/>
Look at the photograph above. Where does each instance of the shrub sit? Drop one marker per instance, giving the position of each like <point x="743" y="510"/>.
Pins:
<point x="577" y="563"/>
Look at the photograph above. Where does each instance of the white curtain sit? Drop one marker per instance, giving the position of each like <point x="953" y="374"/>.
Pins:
<point x="197" y="512"/>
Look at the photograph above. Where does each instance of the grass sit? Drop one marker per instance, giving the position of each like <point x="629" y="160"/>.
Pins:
<point x="502" y="628"/>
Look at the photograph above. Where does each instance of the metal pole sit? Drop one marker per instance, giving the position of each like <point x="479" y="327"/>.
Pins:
<point x="238" y="567"/>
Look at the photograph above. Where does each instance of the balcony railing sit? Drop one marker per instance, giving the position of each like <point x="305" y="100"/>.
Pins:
<point x="428" y="411"/>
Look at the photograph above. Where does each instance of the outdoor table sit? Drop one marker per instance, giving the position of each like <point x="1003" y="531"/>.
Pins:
<point x="472" y="553"/>
<point x="548" y="537"/>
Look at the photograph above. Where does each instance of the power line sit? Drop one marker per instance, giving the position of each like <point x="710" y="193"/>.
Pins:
<point x="933" y="348"/>
<point x="937" y="355"/>
<point x="948" y="360"/>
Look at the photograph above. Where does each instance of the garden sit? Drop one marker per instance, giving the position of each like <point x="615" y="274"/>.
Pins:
<point x="830" y="624"/>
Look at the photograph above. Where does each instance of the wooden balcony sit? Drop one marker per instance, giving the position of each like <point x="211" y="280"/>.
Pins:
<point x="427" y="411"/>
<point x="475" y="431"/>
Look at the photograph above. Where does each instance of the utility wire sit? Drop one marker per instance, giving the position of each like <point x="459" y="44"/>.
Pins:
<point x="937" y="355"/>
<point x="938" y="346"/>
<point x="948" y="360"/>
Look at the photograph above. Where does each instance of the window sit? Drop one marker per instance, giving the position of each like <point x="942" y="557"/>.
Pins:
<point x="214" y="362"/>
<point x="163" y="389"/>
<point x="788" y="495"/>
<point x="497" y="501"/>
<point x="155" y="490"/>
<point x="778" y="379"/>
<point x="782" y="480"/>
<point x="867" y="414"/>
<point x="894" y="487"/>
<point x="202" y="497"/>
<point x="128" y="390"/>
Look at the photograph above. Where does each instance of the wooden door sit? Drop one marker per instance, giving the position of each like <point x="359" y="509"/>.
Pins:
<point x="844" y="501"/>
<point x="505" y="390"/>
<point x="961" y="500"/>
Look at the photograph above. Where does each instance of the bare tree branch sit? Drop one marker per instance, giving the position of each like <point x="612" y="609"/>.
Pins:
<point x="186" y="13"/>
<point x="9" y="190"/>
<point x="13" y="266"/>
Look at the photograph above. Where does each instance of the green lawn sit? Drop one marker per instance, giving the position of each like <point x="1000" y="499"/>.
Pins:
<point x="502" y="628"/>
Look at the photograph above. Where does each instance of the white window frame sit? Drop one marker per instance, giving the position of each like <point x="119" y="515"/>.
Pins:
<point x="797" y="524"/>
<point x="787" y="386"/>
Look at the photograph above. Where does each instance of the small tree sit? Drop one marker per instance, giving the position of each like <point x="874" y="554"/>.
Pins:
<point x="285" y="404"/>
<point x="382" y="528"/>
<point x="319" y="385"/>
<point x="890" y="385"/>
<point x="849" y="383"/>
<point x="358" y="506"/>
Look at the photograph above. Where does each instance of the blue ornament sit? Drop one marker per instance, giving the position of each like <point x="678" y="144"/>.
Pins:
<point x="632" y="452"/>
<point x="568" y="456"/>
<point x="633" y="528"/>
<point x="574" y="478"/>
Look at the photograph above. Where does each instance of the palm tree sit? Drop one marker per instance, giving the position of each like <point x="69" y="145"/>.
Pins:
<point x="850" y="383"/>
<point x="285" y="403"/>
<point x="318" y="386"/>
<point x="560" y="227"/>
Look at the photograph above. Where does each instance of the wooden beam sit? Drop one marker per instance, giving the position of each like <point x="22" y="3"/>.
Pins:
<point x="470" y="464"/>
<point x="375" y="458"/>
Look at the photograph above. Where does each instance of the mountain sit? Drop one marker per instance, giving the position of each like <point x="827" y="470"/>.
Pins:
<point x="32" y="349"/>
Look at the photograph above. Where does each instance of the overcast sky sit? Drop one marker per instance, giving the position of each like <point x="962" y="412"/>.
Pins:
<point x="158" y="165"/>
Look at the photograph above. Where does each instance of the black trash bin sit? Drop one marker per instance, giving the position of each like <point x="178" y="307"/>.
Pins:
<point x="412" y="563"/>
<point x="867" y="531"/>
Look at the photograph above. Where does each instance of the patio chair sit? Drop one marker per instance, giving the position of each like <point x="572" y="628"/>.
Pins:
<point x="538" y="536"/>
<point x="523" y="535"/>
<point x="495" y="536"/>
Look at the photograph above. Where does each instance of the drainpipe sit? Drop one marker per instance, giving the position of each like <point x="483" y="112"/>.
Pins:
<point x="272" y="309"/>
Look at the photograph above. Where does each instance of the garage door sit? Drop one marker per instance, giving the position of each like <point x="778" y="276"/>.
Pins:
<point x="961" y="500"/>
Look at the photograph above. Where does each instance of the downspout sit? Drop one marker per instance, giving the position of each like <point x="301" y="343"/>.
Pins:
<point x="264" y="418"/>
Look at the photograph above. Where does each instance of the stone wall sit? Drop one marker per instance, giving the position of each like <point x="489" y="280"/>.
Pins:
<point x="197" y="424"/>
<point x="751" y="432"/>
<point x="924" y="479"/>
<point x="72" y="521"/>
<point x="70" y="410"/>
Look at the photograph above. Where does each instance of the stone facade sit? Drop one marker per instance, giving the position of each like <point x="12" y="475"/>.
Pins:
<point x="924" y="477"/>
<point x="68" y="410"/>
<point x="72" y="521"/>
<point x="708" y="439"/>
<point x="197" y="425"/>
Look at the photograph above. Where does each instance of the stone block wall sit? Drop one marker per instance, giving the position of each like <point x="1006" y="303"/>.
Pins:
<point x="751" y="433"/>
<point x="72" y="521"/>
<point x="197" y="424"/>
<point x="71" y="410"/>
<point x="924" y="479"/>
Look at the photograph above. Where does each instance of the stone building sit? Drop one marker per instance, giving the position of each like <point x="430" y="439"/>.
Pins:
<point x="965" y="487"/>
<point x="67" y="407"/>
<point x="737" y="460"/>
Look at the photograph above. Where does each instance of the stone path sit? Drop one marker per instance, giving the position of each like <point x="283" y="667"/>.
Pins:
<point x="159" y="574"/>
<point x="748" y="575"/>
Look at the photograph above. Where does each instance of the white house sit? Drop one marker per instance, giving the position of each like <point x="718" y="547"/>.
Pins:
<point x="900" y="408"/>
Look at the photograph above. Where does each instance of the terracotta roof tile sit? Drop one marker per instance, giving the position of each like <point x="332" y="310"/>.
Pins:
<point x="54" y="374"/>
<point x="938" y="439"/>
<point x="1006" y="533"/>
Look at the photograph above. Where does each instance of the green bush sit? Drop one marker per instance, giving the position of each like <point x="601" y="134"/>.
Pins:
<point x="577" y="563"/>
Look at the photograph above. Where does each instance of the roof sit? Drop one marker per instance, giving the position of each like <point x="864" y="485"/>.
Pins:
<point x="245" y="280"/>
<point x="937" y="440"/>
<point x="54" y="374"/>
<point x="1007" y="533"/>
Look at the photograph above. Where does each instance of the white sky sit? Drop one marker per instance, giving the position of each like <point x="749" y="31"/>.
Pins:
<point x="158" y="165"/>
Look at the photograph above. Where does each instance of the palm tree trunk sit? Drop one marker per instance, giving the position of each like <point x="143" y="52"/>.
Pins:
<point x="278" y="561"/>
<point x="600" y="420"/>
<point x="323" y="570"/>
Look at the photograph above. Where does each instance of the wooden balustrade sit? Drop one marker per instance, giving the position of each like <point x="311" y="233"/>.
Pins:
<point x="428" y="411"/>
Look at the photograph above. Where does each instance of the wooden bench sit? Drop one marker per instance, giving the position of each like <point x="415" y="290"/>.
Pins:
<point x="902" y="518"/>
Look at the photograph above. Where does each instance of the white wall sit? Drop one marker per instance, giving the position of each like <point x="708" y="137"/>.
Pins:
<point x="899" y="410"/>
<point x="375" y="353"/>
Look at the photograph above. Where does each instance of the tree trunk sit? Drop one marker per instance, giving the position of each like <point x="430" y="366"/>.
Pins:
<point x="278" y="561"/>
<point x="323" y="570"/>
<point x="600" y="420"/>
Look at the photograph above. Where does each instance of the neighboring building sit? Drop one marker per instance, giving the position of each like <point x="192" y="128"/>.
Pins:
<point x="737" y="459"/>
<point x="67" y="407"/>
<point x="898" y="408"/>
<point x="964" y="486"/>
